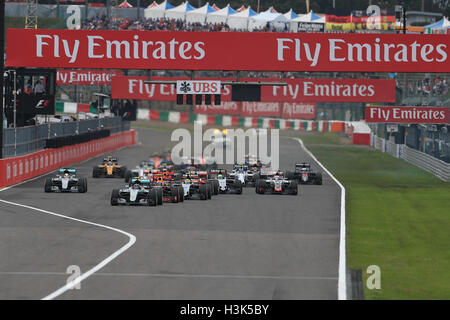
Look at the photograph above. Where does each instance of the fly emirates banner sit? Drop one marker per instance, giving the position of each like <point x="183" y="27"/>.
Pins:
<point x="260" y="51"/>
<point x="296" y="90"/>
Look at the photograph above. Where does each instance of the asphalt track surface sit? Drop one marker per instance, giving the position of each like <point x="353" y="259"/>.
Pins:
<point x="245" y="246"/>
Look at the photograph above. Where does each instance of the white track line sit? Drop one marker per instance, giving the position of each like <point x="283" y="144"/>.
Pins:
<point x="342" y="284"/>
<point x="83" y="276"/>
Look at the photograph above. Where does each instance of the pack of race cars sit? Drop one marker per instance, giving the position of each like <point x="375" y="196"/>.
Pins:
<point x="157" y="180"/>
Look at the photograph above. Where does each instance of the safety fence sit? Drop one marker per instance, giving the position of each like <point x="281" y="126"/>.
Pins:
<point x="439" y="168"/>
<point x="18" y="169"/>
<point x="238" y="121"/>
<point x="24" y="140"/>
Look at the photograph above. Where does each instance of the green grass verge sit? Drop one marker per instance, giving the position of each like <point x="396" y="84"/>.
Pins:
<point x="398" y="218"/>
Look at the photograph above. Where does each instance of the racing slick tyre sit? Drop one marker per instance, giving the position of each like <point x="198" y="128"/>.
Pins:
<point x="318" y="178"/>
<point x="159" y="193"/>
<point x="174" y="194"/>
<point x="293" y="188"/>
<point x="82" y="185"/>
<point x="209" y="190"/>
<point x="215" y="187"/>
<point x="180" y="193"/>
<point x="260" y="185"/>
<point x="95" y="172"/>
<point x="48" y="185"/>
<point x="128" y="176"/>
<point x="238" y="187"/>
<point x="123" y="171"/>
<point x="203" y="192"/>
<point x="152" y="198"/>
<point x="290" y="175"/>
<point x="115" y="197"/>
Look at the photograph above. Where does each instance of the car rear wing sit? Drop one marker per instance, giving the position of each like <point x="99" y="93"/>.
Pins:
<point x="70" y="170"/>
<point x="110" y="159"/>
<point x="140" y="180"/>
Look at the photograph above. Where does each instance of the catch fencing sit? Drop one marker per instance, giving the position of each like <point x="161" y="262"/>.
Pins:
<point x="25" y="140"/>
<point x="439" y="168"/>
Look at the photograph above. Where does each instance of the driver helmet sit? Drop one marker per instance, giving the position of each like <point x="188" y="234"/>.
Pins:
<point x="137" y="184"/>
<point x="66" y="174"/>
<point x="219" y="176"/>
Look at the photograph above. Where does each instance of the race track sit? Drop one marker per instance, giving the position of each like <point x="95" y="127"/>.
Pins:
<point x="231" y="247"/>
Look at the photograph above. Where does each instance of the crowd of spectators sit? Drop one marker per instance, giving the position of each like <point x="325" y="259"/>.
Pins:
<point x="429" y="87"/>
<point x="104" y="23"/>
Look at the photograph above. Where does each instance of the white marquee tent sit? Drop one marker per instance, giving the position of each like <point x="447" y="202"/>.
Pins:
<point x="290" y="15"/>
<point x="309" y="17"/>
<point x="200" y="14"/>
<point x="157" y="12"/>
<point x="179" y="13"/>
<point x="220" y="16"/>
<point x="438" y="27"/>
<point x="239" y="21"/>
<point x="276" y="21"/>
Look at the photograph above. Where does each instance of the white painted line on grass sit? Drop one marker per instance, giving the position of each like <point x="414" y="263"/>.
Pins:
<point x="83" y="276"/>
<point x="342" y="284"/>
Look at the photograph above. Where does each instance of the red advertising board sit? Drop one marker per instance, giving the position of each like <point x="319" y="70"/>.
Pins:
<point x="261" y="109"/>
<point x="261" y="51"/>
<point x="85" y="77"/>
<point x="298" y="110"/>
<point x="407" y="114"/>
<point x="331" y="90"/>
<point x="297" y="90"/>
<point x="226" y="107"/>
<point x="134" y="88"/>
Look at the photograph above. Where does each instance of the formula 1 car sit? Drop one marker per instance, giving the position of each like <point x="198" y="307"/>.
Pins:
<point x="247" y="176"/>
<point x="139" y="171"/>
<point x="205" y="177"/>
<point x="193" y="188"/>
<point x="229" y="185"/>
<point x="134" y="194"/>
<point x="303" y="174"/>
<point x="109" y="169"/>
<point x="170" y="191"/>
<point x="66" y="181"/>
<point x="277" y="185"/>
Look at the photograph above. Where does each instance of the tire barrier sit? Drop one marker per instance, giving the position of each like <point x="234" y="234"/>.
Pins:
<point x="60" y="142"/>
<point x="18" y="169"/>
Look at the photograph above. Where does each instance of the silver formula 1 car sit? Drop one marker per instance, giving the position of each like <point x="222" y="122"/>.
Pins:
<point x="134" y="194"/>
<point x="66" y="181"/>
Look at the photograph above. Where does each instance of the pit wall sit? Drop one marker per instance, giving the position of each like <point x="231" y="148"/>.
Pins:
<point x="238" y="121"/>
<point x="18" y="169"/>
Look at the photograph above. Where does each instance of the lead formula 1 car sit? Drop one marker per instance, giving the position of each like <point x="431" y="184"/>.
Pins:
<point x="66" y="181"/>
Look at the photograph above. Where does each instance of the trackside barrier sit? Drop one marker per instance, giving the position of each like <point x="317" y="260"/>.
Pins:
<point x="239" y="121"/>
<point x="439" y="168"/>
<point x="18" y="169"/>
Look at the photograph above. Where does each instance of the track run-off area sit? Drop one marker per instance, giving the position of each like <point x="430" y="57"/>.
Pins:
<point x="245" y="246"/>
